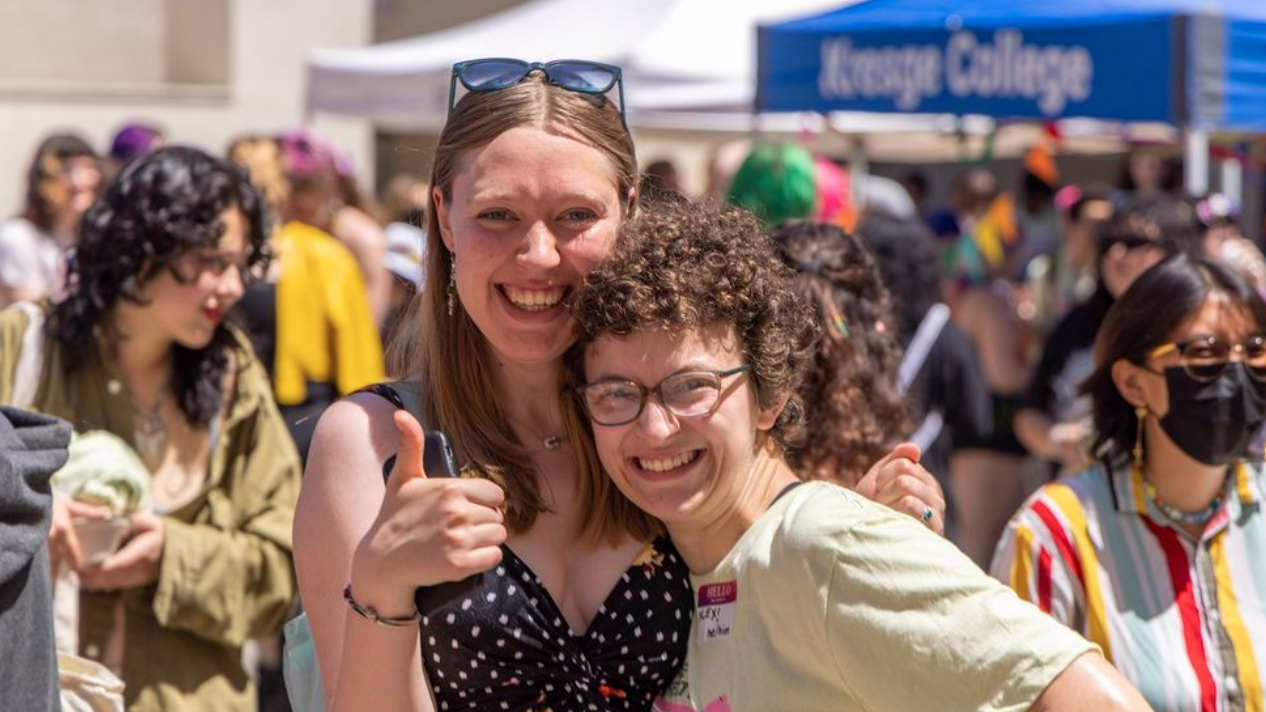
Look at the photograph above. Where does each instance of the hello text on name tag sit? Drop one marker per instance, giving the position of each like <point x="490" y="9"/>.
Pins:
<point x="716" y="610"/>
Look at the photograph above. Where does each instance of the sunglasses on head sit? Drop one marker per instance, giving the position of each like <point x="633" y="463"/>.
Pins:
<point x="497" y="73"/>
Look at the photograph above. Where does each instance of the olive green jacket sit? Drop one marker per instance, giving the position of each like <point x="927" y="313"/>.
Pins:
<point x="226" y="573"/>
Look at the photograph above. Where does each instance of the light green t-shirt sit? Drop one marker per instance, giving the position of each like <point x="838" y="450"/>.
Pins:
<point x="832" y="602"/>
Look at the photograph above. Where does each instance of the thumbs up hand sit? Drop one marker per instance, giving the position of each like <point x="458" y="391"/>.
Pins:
<point x="428" y="531"/>
<point x="900" y="482"/>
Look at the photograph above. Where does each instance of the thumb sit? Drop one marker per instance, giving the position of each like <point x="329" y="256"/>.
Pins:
<point x="906" y="451"/>
<point x="408" y="465"/>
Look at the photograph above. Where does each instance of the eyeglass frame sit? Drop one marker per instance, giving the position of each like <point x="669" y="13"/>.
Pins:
<point x="248" y="274"/>
<point x="657" y="390"/>
<point x="1181" y="348"/>
<point x="544" y="67"/>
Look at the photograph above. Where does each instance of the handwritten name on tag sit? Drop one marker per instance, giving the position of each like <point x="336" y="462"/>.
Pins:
<point x="717" y="602"/>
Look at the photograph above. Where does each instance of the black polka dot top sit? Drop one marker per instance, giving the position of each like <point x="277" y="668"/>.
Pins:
<point x="507" y="646"/>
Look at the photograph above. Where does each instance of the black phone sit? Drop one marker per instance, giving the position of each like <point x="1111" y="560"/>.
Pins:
<point x="438" y="461"/>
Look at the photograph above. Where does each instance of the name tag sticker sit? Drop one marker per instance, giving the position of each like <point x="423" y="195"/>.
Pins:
<point x="716" y="610"/>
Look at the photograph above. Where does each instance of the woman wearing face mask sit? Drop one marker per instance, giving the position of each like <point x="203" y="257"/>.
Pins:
<point x="810" y="597"/>
<point x="1158" y="552"/>
<point x="582" y="603"/>
<point x="139" y="348"/>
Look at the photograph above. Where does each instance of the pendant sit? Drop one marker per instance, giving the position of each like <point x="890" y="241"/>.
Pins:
<point x="150" y="437"/>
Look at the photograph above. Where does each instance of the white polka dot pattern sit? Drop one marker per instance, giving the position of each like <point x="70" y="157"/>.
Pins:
<point x="507" y="647"/>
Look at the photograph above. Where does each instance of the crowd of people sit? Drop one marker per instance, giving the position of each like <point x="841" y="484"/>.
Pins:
<point x="747" y="453"/>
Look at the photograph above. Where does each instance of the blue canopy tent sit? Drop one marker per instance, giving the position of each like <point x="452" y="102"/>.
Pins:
<point x="1197" y="64"/>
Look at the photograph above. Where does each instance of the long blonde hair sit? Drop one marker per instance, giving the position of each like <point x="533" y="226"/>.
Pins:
<point x="451" y="358"/>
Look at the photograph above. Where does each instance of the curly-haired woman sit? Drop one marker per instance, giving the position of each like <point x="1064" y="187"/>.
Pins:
<point x="809" y="596"/>
<point x="852" y="393"/>
<point x="852" y="388"/>
<point x="139" y="348"/>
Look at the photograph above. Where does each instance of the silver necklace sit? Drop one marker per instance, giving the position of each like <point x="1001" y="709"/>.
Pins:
<point x="150" y="432"/>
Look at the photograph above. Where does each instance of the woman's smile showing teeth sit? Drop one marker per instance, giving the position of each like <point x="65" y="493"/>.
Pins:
<point x="534" y="299"/>
<point x="667" y="464"/>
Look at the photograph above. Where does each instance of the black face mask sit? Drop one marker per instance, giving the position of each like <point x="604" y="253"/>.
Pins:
<point x="1213" y="422"/>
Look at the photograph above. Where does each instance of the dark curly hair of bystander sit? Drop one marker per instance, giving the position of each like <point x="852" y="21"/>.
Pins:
<point x="855" y="413"/>
<point x="158" y="208"/>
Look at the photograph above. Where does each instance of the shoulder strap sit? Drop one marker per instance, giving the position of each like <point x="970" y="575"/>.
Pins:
<point x="917" y="352"/>
<point x="404" y="396"/>
<point x="26" y="377"/>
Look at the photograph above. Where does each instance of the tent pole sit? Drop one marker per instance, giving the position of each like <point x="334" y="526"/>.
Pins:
<point x="1252" y="180"/>
<point x="858" y="172"/>
<point x="1196" y="162"/>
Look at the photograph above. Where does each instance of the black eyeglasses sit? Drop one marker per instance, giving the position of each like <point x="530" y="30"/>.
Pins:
<point x="1204" y="358"/>
<point x="689" y="394"/>
<point x="497" y="73"/>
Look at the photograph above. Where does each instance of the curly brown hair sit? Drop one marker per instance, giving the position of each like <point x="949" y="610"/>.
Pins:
<point x="682" y="265"/>
<point x="855" y="413"/>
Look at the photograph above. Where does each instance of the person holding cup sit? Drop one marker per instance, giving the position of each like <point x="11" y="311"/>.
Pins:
<point x="139" y="348"/>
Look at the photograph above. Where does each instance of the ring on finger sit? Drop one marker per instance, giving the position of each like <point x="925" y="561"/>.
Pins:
<point x="927" y="514"/>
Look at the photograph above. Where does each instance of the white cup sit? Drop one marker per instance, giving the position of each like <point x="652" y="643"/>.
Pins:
<point x="98" y="538"/>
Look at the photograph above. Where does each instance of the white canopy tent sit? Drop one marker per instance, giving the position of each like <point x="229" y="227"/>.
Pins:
<point x="688" y="64"/>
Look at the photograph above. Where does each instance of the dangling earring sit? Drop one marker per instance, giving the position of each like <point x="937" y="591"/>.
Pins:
<point x="451" y="289"/>
<point x="1140" y="413"/>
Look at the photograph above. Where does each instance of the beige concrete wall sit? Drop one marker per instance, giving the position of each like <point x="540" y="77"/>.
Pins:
<point x="197" y="42"/>
<point x="81" y="41"/>
<point x="398" y="19"/>
<point x="260" y="85"/>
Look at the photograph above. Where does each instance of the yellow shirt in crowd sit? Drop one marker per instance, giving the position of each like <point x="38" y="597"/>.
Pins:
<point x="325" y="330"/>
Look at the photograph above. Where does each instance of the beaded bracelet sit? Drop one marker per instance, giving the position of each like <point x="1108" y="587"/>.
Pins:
<point x="374" y="617"/>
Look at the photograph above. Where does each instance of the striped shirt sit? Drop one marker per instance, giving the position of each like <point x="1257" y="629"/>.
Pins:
<point x="1184" y="620"/>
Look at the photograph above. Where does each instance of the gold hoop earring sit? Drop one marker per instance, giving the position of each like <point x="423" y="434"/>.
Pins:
<point x="1140" y="414"/>
<point x="451" y="289"/>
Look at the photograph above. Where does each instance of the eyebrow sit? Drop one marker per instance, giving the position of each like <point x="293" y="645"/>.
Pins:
<point x="678" y="372"/>
<point x="510" y="196"/>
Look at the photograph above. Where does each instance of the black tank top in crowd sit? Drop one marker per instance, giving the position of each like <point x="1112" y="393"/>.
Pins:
<point x="506" y="645"/>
